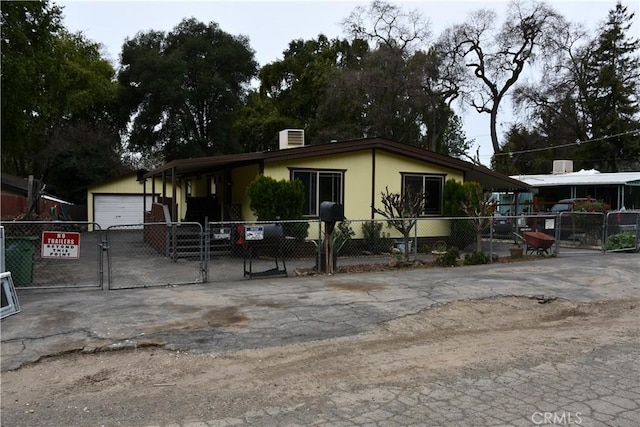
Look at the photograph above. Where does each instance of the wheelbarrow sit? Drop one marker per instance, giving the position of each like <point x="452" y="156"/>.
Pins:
<point x="538" y="242"/>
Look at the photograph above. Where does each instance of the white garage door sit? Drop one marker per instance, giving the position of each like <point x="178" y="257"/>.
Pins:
<point x="111" y="209"/>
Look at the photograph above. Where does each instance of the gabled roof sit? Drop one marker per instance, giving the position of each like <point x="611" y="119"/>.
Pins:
<point x="488" y="178"/>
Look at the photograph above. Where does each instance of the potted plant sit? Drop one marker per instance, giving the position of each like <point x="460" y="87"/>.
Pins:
<point x="516" y="251"/>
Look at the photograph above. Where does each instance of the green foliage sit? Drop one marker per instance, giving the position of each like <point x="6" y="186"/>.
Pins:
<point x="586" y="216"/>
<point x="378" y="84"/>
<point x="592" y="205"/>
<point x="611" y="97"/>
<point x="590" y="94"/>
<point x="258" y="123"/>
<point x="454" y="196"/>
<point x="58" y="102"/>
<point x="462" y="231"/>
<point x="476" y="258"/>
<point x="624" y="240"/>
<point x="342" y="234"/>
<point x="185" y="88"/>
<point x="271" y="199"/>
<point x="453" y="139"/>
<point x="29" y="36"/>
<point x="450" y="259"/>
<point x="518" y="139"/>
<point x="375" y="240"/>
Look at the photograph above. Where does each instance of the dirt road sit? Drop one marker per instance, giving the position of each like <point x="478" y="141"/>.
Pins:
<point x="510" y="361"/>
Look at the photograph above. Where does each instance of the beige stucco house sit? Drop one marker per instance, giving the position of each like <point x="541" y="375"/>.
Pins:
<point x="353" y="173"/>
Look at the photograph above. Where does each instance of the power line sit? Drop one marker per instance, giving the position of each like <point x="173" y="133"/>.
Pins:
<point x="637" y="131"/>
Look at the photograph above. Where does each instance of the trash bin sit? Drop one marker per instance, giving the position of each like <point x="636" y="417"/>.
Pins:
<point x="19" y="253"/>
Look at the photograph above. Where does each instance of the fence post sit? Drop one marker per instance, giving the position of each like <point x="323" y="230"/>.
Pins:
<point x="205" y="248"/>
<point x="491" y="240"/>
<point x="603" y="234"/>
<point x="415" y="240"/>
<point x="319" y="247"/>
<point x="103" y="246"/>
<point x="558" y="231"/>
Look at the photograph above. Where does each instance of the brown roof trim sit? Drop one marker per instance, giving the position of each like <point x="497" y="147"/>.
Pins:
<point x="185" y="166"/>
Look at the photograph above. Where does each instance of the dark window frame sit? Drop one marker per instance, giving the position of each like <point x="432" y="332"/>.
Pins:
<point x="318" y="172"/>
<point x="431" y="210"/>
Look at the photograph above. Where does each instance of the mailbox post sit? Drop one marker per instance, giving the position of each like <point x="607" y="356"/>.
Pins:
<point x="330" y="213"/>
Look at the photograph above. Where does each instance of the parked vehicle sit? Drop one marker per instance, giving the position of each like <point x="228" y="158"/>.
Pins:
<point x="566" y="205"/>
<point x="502" y="225"/>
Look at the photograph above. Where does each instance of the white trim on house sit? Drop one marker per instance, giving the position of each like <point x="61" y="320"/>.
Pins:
<point x="583" y="177"/>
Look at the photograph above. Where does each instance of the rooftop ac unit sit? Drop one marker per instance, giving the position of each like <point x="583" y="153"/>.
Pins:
<point x="562" y="166"/>
<point x="290" y="138"/>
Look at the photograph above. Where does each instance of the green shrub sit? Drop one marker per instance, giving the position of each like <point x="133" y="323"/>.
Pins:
<point x="476" y="258"/>
<point x="342" y="234"/>
<point x="624" y="240"/>
<point x="375" y="240"/>
<point x="454" y="196"/>
<point x="450" y="259"/>
<point x="586" y="216"/>
<point x="272" y="200"/>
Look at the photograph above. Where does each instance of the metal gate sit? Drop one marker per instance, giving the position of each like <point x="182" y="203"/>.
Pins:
<point x="54" y="254"/>
<point x="155" y="254"/>
<point x="580" y="233"/>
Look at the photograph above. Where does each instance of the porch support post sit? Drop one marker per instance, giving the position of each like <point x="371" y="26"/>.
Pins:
<point x="153" y="185"/>
<point x="174" y="191"/>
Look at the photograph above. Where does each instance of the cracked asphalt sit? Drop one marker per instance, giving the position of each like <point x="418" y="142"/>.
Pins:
<point x="599" y="387"/>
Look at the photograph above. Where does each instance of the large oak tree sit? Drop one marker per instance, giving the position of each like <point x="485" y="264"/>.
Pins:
<point x="184" y="88"/>
<point x="58" y="98"/>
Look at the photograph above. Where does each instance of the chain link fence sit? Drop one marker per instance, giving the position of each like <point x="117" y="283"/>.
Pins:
<point x="45" y="255"/>
<point x="622" y="231"/>
<point x="59" y="254"/>
<point x="155" y="254"/>
<point x="284" y="248"/>
<point x="581" y="231"/>
<point x="258" y="249"/>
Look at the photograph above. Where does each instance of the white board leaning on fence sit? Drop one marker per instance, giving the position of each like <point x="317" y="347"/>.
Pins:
<point x="9" y="298"/>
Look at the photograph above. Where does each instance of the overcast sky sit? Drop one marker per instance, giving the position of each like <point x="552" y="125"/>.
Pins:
<point x="271" y="25"/>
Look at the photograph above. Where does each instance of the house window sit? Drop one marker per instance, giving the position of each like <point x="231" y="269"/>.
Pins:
<point x="320" y="186"/>
<point x="430" y="186"/>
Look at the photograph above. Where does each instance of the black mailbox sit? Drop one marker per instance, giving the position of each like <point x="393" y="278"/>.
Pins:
<point x="331" y="212"/>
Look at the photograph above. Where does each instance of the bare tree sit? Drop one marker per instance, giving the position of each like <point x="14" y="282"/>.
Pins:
<point x="386" y="24"/>
<point x="406" y="86"/>
<point x="498" y="56"/>
<point x="402" y="211"/>
<point x="563" y="82"/>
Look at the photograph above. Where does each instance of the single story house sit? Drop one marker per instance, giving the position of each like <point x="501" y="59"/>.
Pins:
<point x="352" y="173"/>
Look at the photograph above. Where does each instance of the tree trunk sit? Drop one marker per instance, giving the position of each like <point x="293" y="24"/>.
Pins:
<point x="493" y="124"/>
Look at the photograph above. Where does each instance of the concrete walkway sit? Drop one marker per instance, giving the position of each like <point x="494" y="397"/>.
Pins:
<point x="597" y="388"/>
<point x="277" y="311"/>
